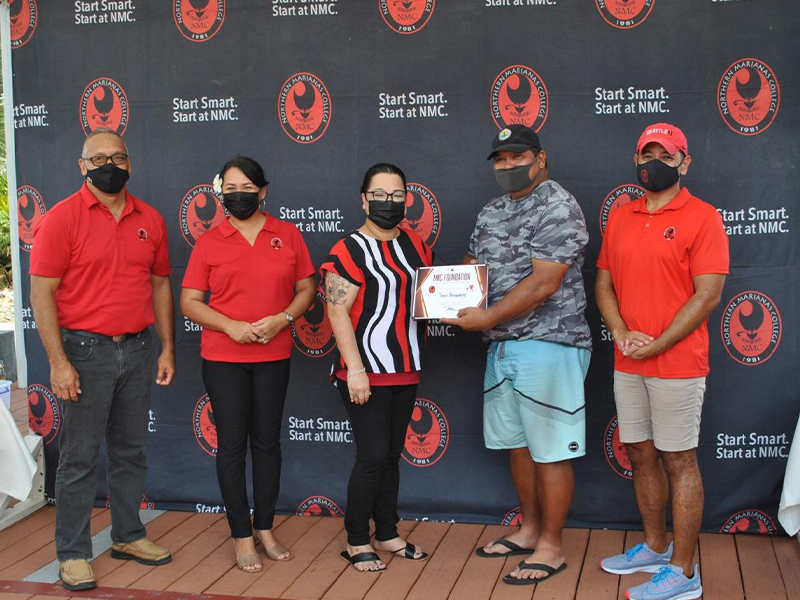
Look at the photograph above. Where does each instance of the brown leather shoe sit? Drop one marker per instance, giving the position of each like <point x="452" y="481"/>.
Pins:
<point x="143" y="551"/>
<point x="76" y="574"/>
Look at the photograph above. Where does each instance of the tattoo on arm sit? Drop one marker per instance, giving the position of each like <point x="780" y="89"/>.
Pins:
<point x="336" y="288"/>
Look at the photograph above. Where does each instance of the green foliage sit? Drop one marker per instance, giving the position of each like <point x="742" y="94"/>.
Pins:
<point x="5" y="231"/>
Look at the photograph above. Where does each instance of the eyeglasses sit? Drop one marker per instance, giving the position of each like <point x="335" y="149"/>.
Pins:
<point x="381" y="196"/>
<point x="100" y="160"/>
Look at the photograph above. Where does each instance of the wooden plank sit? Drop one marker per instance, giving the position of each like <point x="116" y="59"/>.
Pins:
<point x="565" y="585"/>
<point x="720" y="567"/>
<point x="27" y="564"/>
<point x="214" y="566"/>
<point x="103" y="564"/>
<point x="596" y="584"/>
<point x="41" y="518"/>
<point x="185" y="558"/>
<point x="354" y="585"/>
<point x="760" y="572"/>
<point x="6" y="596"/>
<point x="503" y="591"/>
<point x="444" y="568"/>
<point x="787" y="551"/>
<point x="236" y="581"/>
<point x="479" y="576"/>
<point x="305" y="550"/>
<point x="321" y="574"/>
<point x="395" y="583"/>
<point x="176" y="539"/>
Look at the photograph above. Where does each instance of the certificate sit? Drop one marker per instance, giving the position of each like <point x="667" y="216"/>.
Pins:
<point x="440" y="292"/>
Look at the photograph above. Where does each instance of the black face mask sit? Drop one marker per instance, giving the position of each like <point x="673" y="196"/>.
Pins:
<point x="657" y="176"/>
<point x="109" y="178"/>
<point x="386" y="215"/>
<point x="241" y="205"/>
<point x="513" y="179"/>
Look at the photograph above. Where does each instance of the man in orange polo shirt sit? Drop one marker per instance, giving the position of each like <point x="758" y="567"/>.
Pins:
<point x="660" y="274"/>
<point x="99" y="278"/>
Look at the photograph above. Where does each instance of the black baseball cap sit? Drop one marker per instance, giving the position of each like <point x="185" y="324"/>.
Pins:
<point x="515" y="138"/>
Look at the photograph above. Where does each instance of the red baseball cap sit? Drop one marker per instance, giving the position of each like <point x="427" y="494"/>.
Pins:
<point x="665" y="134"/>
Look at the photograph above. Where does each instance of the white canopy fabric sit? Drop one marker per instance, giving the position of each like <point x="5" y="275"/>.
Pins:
<point x="789" y="508"/>
<point x="17" y="467"/>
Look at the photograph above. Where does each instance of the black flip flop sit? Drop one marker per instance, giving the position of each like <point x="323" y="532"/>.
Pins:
<point x="362" y="557"/>
<point x="525" y="566"/>
<point x="515" y="550"/>
<point x="410" y="552"/>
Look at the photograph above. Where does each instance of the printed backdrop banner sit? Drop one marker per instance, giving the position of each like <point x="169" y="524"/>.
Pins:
<point x="319" y="90"/>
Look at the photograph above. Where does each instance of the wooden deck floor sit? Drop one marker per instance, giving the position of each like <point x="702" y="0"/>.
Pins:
<point x="733" y="567"/>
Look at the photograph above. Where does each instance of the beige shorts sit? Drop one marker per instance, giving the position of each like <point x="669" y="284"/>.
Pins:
<point x="666" y="411"/>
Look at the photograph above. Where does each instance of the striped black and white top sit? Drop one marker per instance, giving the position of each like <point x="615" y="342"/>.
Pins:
<point x="386" y="333"/>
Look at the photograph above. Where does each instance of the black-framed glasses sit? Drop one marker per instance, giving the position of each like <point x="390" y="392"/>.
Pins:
<point x="100" y="160"/>
<point x="381" y="196"/>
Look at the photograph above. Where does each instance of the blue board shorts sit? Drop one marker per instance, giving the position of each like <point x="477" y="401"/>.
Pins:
<point x="533" y="397"/>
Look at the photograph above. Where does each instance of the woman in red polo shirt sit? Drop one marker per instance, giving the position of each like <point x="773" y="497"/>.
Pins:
<point x="369" y="277"/>
<point x="260" y="277"/>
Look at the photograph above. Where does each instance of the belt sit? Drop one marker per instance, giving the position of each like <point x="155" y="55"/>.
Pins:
<point x="117" y="339"/>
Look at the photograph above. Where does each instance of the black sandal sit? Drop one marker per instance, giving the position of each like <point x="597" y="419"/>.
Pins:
<point x="410" y="552"/>
<point x="360" y="558"/>
<point x="515" y="549"/>
<point x="524" y="566"/>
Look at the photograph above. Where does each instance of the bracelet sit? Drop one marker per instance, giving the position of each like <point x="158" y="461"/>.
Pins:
<point x="354" y="373"/>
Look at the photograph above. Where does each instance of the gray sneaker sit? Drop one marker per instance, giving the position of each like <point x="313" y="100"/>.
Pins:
<point x="669" y="583"/>
<point x="638" y="559"/>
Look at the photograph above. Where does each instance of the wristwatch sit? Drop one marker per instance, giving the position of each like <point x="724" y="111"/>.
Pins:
<point x="289" y="317"/>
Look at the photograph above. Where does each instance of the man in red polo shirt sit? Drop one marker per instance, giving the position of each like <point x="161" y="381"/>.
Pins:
<point x="660" y="274"/>
<point x="99" y="277"/>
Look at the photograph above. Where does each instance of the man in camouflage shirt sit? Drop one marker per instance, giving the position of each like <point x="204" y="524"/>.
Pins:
<point x="533" y="239"/>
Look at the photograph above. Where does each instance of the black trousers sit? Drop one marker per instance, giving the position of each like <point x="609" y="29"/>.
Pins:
<point x="247" y="400"/>
<point x="379" y="429"/>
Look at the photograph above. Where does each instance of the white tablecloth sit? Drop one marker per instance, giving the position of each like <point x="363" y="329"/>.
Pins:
<point x="789" y="509"/>
<point x="17" y="467"/>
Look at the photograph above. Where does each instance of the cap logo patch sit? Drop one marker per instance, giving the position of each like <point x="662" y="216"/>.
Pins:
<point x="504" y="135"/>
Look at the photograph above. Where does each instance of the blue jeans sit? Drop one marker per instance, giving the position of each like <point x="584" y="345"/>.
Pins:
<point x="114" y="404"/>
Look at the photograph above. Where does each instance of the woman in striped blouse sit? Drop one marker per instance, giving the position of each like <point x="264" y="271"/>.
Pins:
<point x="369" y="277"/>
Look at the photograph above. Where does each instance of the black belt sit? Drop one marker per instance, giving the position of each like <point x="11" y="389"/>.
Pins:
<point x="117" y="339"/>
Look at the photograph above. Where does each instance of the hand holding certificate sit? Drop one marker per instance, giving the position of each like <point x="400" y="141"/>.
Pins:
<point x="440" y="292"/>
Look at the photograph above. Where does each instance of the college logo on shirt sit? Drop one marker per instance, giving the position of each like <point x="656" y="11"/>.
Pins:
<point x="319" y="506"/>
<point x="748" y="96"/>
<point x="624" y="14"/>
<point x="513" y="518"/>
<point x="615" y="451"/>
<point x="750" y="521"/>
<point x="669" y="233"/>
<point x="104" y="105"/>
<point x="205" y="426"/>
<point x="142" y="234"/>
<point x="519" y="97"/>
<point x="304" y="108"/>
<point x="201" y="210"/>
<point x="427" y="435"/>
<point x="423" y="214"/>
<point x="751" y="328"/>
<point x="312" y="333"/>
<point x="31" y="209"/>
<point x="24" y="17"/>
<point x="619" y="196"/>
<point x="44" y="418"/>
<point x="406" y="16"/>
<point x="198" y="20"/>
